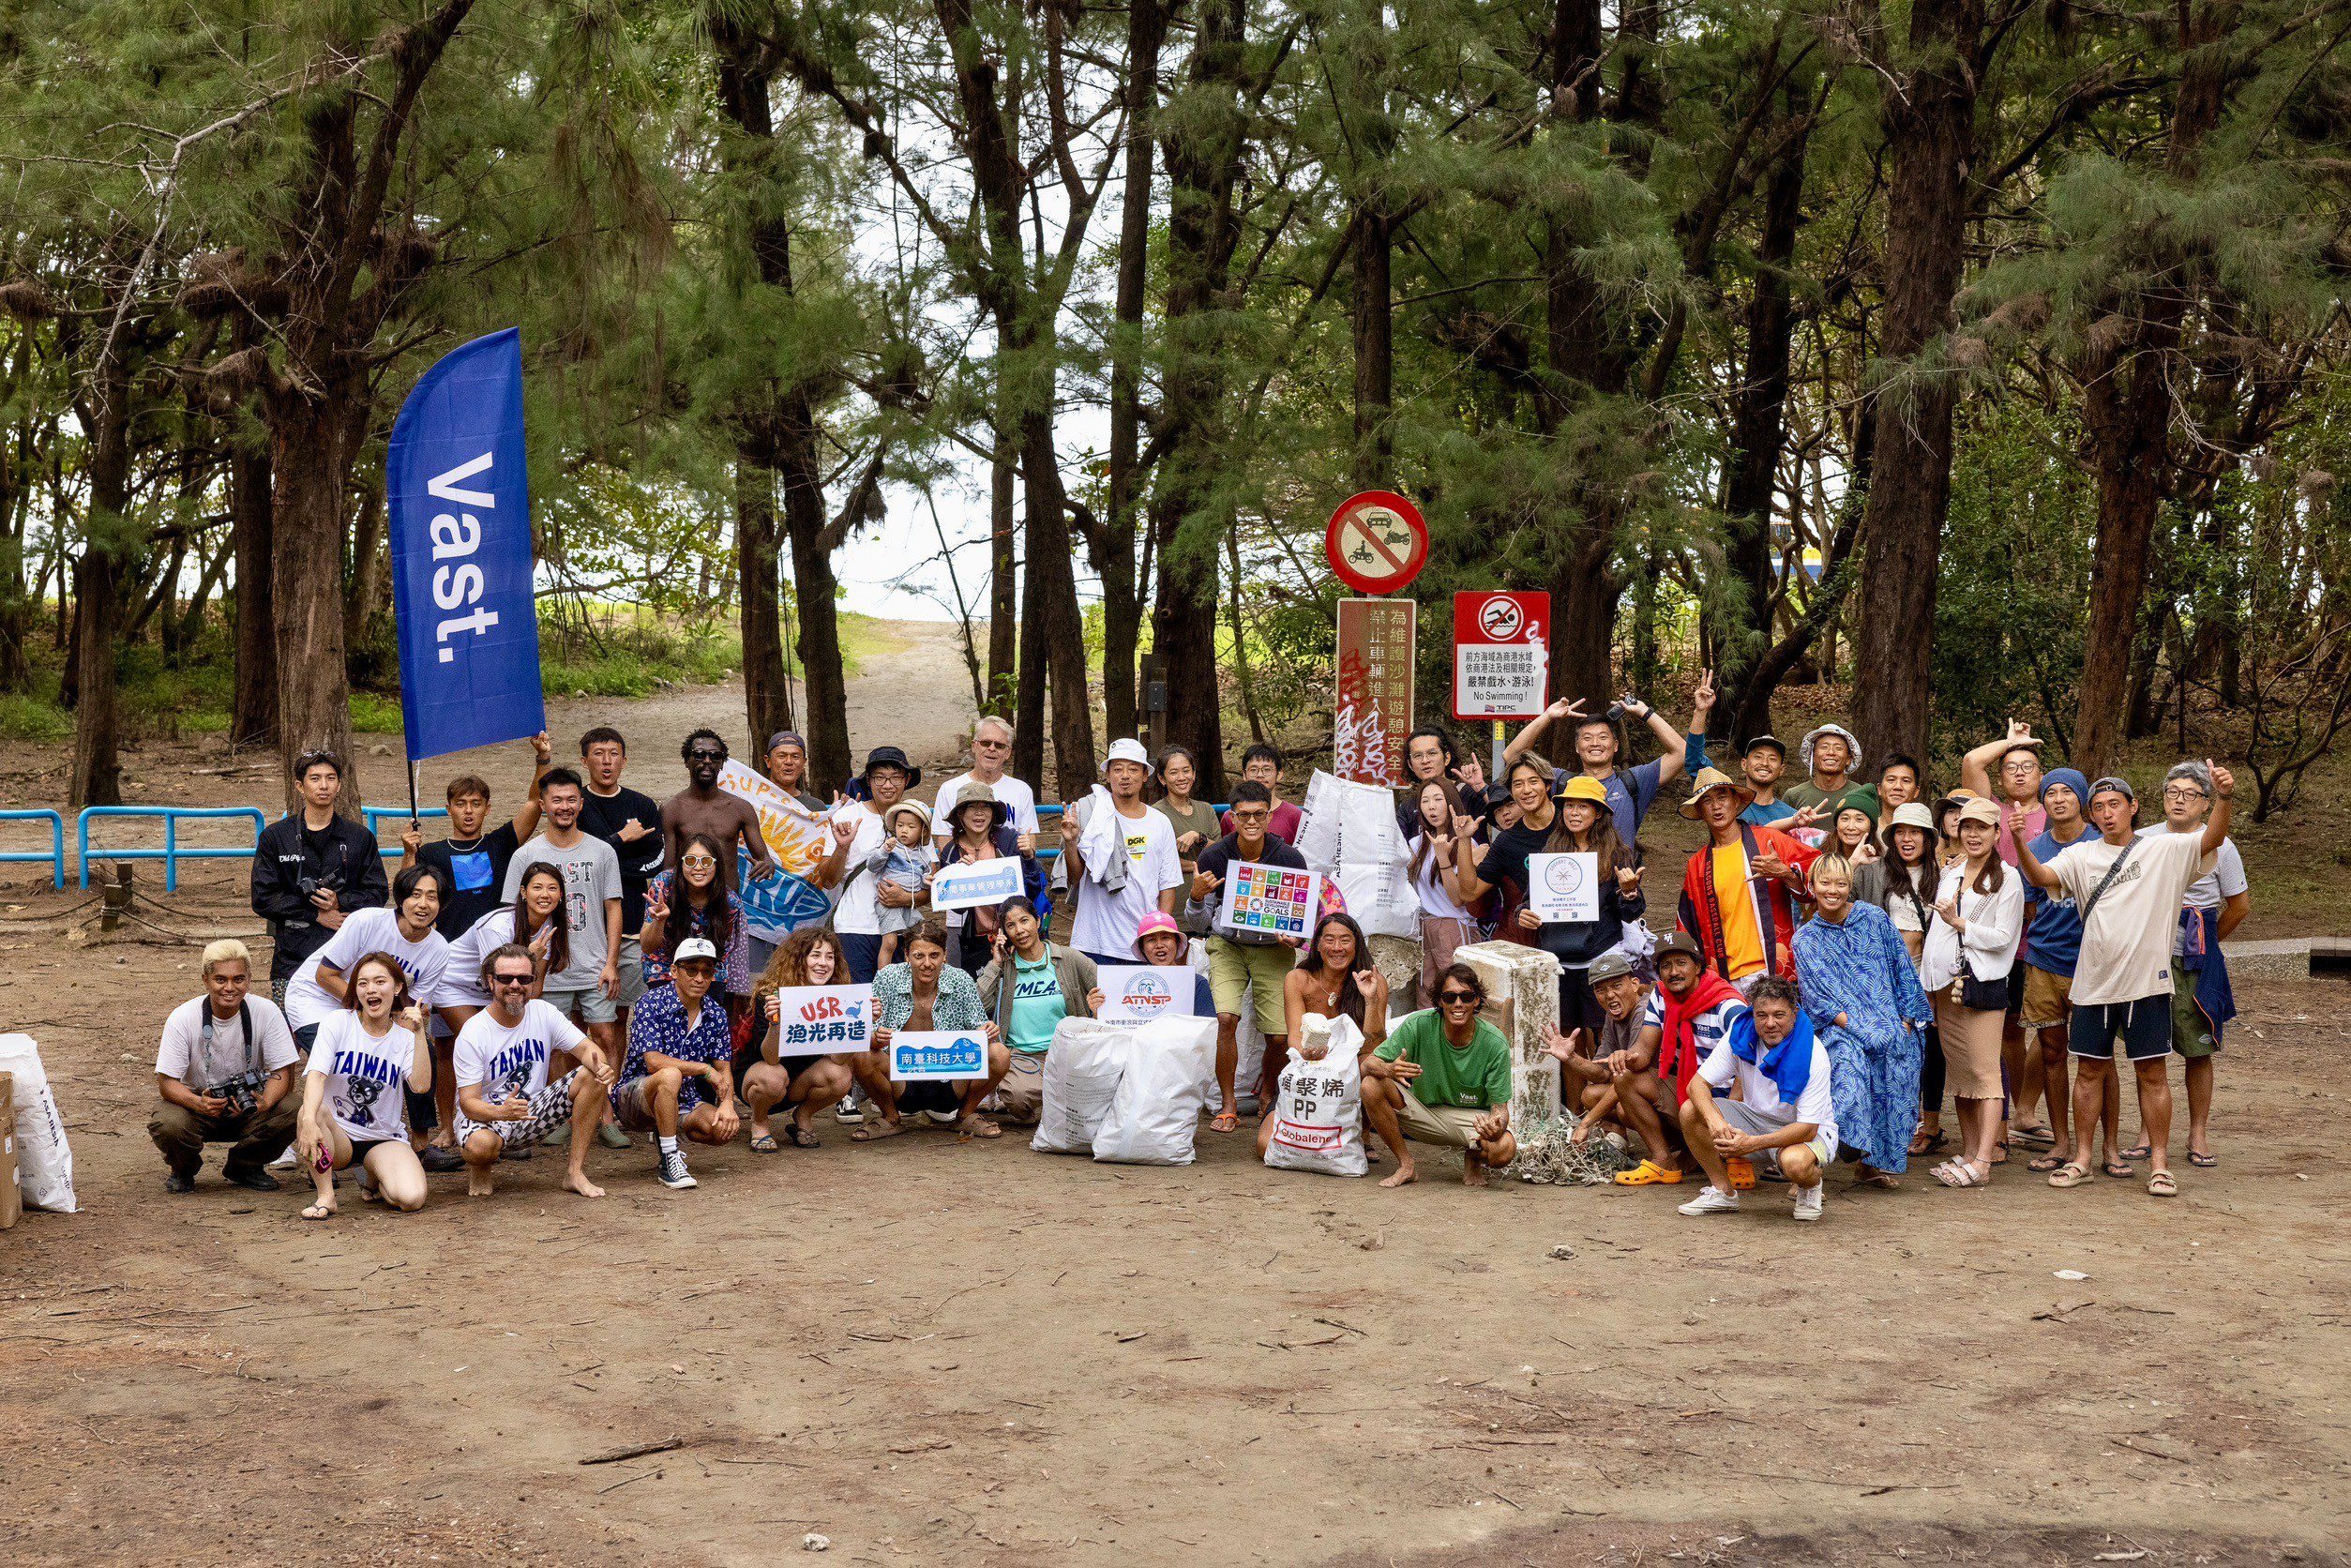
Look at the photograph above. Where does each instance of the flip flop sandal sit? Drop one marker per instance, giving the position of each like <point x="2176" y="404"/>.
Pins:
<point x="2162" y="1185"/>
<point x="873" y="1132"/>
<point x="1884" y="1180"/>
<point x="1923" y="1144"/>
<point x="764" y="1143"/>
<point x="2040" y="1137"/>
<point x="2046" y="1163"/>
<point x="1225" y="1122"/>
<point x="1648" y="1173"/>
<point x="2201" y="1160"/>
<point x="802" y="1138"/>
<point x="2068" y="1175"/>
<point x="978" y="1126"/>
<point x="2138" y="1151"/>
<point x="2120" y="1170"/>
<point x="317" y="1211"/>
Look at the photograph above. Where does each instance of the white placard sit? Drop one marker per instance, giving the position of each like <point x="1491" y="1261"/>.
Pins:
<point x="970" y="885"/>
<point x="821" y="1020"/>
<point x="1269" y="900"/>
<point x="1138" y="993"/>
<point x="1564" y="888"/>
<point x="937" y="1055"/>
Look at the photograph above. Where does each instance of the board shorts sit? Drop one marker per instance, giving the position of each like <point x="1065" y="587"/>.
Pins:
<point x="630" y="1110"/>
<point x="1745" y="1118"/>
<point x="2191" y="1033"/>
<point x="549" y="1108"/>
<point x="1257" y="968"/>
<point x="2144" y="1025"/>
<point x="2048" y="997"/>
<point x="590" y="1001"/>
<point x="1448" y="1127"/>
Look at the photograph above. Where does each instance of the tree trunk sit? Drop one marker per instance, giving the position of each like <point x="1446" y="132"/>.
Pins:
<point x="815" y="591"/>
<point x="1121" y="609"/>
<point x="1203" y="149"/>
<point x="308" y="467"/>
<point x="1006" y="692"/>
<point x="1929" y="114"/>
<point x="98" y="576"/>
<point x="363" y="594"/>
<point x="253" y="703"/>
<point x="766" y="682"/>
<point x="1758" y="428"/>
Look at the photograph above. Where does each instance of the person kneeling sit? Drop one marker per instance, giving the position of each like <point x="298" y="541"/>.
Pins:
<point x="679" y="1076"/>
<point x="353" y="1110"/>
<point x="1443" y="1076"/>
<point x="240" y="1051"/>
<point x="1784" y="1116"/>
<point x="504" y="1095"/>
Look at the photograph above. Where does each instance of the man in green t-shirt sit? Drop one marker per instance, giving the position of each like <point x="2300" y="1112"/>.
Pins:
<point x="1443" y="1076"/>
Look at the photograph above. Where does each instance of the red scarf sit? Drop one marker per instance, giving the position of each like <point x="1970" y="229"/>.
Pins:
<point x="1677" y="1057"/>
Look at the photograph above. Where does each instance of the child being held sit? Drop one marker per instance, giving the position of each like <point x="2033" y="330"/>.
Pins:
<point x="904" y="859"/>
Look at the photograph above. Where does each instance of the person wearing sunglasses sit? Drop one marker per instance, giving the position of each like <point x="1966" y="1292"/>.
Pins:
<point x="1443" y="1077"/>
<point x="523" y="1069"/>
<point x="693" y="901"/>
<point x="992" y="753"/>
<point x="311" y="867"/>
<point x="725" y="817"/>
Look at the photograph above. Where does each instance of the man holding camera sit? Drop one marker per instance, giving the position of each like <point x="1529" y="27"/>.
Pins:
<point x="225" y="1070"/>
<point x="310" y="868"/>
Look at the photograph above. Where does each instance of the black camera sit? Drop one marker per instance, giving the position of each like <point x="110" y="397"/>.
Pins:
<point x="332" y="881"/>
<point x="1613" y="713"/>
<point x="243" y="1093"/>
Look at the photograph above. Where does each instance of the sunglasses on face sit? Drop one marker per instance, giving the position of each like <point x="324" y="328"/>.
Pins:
<point x="700" y="969"/>
<point x="697" y="863"/>
<point x="705" y="754"/>
<point x="1457" y="999"/>
<point x="509" y="979"/>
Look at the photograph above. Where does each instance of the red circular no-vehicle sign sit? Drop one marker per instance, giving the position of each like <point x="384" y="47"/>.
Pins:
<point x="1376" y="542"/>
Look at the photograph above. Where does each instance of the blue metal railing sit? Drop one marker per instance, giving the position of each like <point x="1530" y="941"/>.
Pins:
<point x="390" y="847"/>
<point x="171" y="853"/>
<point x="56" y="852"/>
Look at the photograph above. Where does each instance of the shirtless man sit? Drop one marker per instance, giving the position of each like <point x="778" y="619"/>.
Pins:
<point x="703" y="807"/>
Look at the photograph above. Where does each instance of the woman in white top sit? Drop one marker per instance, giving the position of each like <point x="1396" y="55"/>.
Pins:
<point x="1971" y="946"/>
<point x="1446" y="922"/>
<point x="353" y="1110"/>
<point x="536" y="920"/>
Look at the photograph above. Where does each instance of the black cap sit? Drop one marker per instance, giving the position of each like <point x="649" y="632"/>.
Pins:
<point x="1772" y="741"/>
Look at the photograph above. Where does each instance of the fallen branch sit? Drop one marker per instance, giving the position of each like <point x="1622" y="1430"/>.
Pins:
<point x="636" y="1449"/>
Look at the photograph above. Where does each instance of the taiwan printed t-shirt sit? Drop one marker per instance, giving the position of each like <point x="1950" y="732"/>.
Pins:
<point x="1475" y="1077"/>
<point x="507" y="1062"/>
<point x="366" y="1077"/>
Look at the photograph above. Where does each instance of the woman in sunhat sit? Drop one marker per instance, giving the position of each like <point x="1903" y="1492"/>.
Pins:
<point x="980" y="828"/>
<point x="1970" y="948"/>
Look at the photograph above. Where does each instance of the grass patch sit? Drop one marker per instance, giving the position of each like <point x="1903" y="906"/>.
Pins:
<point x="25" y="718"/>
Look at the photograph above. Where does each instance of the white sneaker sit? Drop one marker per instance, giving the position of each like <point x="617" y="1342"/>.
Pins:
<point x="287" y="1161"/>
<point x="1714" y="1201"/>
<point x="851" y="1112"/>
<point x="674" y="1175"/>
<point x="1808" y="1201"/>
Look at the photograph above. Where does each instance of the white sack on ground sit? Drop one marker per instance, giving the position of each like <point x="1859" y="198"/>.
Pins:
<point x="44" y="1164"/>
<point x="1156" y="1113"/>
<point x="1319" y="1114"/>
<point x="1083" y="1069"/>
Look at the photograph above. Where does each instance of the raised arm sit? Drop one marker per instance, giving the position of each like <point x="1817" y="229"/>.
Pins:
<point x="1975" y="768"/>
<point x="2028" y="862"/>
<point x="2223" y="807"/>
<point x="1524" y="741"/>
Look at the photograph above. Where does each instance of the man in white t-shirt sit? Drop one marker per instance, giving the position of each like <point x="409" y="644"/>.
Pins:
<point x="2201" y="1002"/>
<point x="991" y="748"/>
<point x="225" y="1071"/>
<point x="509" y="1093"/>
<point x="2128" y="890"/>
<point x="1115" y="891"/>
<point x="406" y="930"/>
<point x="1784" y="1118"/>
<point x="857" y="919"/>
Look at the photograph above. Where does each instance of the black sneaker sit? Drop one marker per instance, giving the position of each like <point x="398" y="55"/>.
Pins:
<point x="175" y="1182"/>
<point x="438" y="1161"/>
<point x="673" y="1172"/>
<point x="255" y="1180"/>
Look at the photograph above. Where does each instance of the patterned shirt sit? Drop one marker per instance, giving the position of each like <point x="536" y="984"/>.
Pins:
<point x="957" y="1006"/>
<point x="657" y="1024"/>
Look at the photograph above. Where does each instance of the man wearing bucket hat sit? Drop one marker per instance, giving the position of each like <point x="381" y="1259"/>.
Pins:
<point x="1682" y="1022"/>
<point x="857" y="921"/>
<point x="1121" y="857"/>
<point x="2131" y="890"/>
<point x="1828" y="755"/>
<point x="1738" y="893"/>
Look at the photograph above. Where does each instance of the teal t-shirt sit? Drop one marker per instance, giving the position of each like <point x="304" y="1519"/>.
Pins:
<point x="1476" y="1078"/>
<point x="1036" y="1005"/>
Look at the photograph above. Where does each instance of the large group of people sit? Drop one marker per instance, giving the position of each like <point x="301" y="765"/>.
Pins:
<point x="1849" y="954"/>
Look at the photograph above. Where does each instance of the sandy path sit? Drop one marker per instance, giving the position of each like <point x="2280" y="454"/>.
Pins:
<point x="931" y="1348"/>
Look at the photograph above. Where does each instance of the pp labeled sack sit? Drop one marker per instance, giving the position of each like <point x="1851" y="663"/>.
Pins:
<point x="1319" y="1112"/>
<point x="44" y="1165"/>
<point x="1156" y="1113"/>
<point x="1083" y="1069"/>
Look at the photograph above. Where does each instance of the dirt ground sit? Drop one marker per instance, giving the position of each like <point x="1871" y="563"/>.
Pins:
<point x="932" y="1349"/>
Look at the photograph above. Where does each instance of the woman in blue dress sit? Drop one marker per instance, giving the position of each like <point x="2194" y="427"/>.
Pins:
<point x="1864" y="1000"/>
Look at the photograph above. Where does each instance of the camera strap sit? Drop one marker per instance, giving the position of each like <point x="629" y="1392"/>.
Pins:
<point x="204" y="1045"/>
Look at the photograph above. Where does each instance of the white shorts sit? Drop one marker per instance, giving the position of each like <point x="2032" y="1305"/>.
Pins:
<point x="551" y="1108"/>
<point x="1745" y="1118"/>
